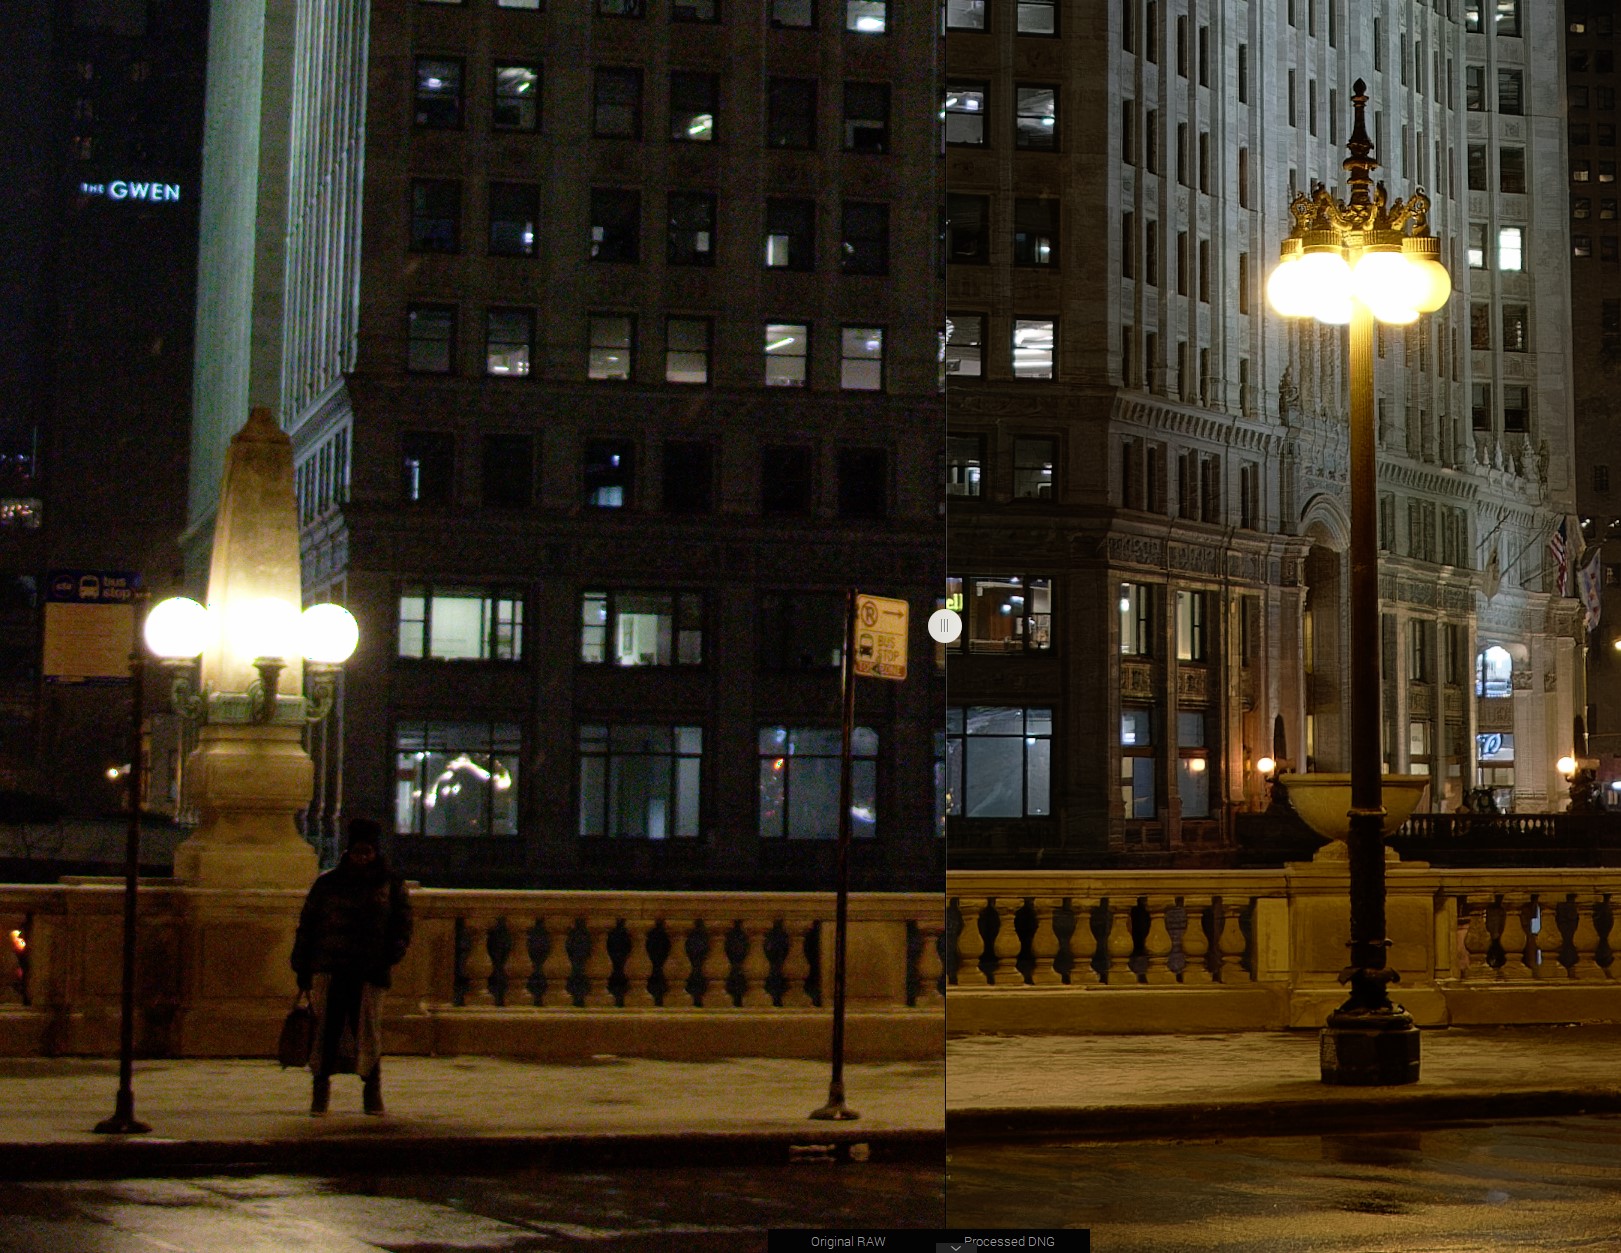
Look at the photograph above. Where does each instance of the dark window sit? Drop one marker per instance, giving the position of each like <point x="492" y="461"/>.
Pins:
<point x="999" y="762"/>
<point x="509" y="471"/>
<point x="1033" y="468"/>
<point x="864" y="238"/>
<point x="798" y="14"/>
<point x="785" y="479"/>
<point x="1035" y="232"/>
<point x="965" y="344"/>
<point x="622" y="8"/>
<point x="514" y="211"/>
<point x="616" y="225"/>
<point x="968" y="237"/>
<point x="790" y="234"/>
<point x="427" y="462"/>
<point x="1036" y="118"/>
<point x="1511" y="170"/>
<point x="863" y="483"/>
<point x="687" y="349"/>
<point x="800" y="631"/>
<point x="438" y="93"/>
<point x="1516" y="408"/>
<point x="612" y="346"/>
<point x="693" y="107"/>
<point x="1515" y="336"/>
<point x="616" y="109"/>
<point x="436" y="215"/>
<point x="965" y="114"/>
<point x="692" y="229"/>
<point x="609" y="472"/>
<point x="1477" y="167"/>
<point x="1510" y="92"/>
<point x="641" y="782"/>
<point x="689" y="477"/>
<point x="517" y="98"/>
<point x="791" y="113"/>
<point x="866" y="117"/>
<point x="694" y="10"/>
<point x="430" y="339"/>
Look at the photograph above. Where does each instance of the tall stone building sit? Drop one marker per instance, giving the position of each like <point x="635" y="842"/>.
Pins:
<point x="1147" y="468"/>
<point x="607" y="337"/>
<point x="1595" y="295"/>
<point x="98" y="262"/>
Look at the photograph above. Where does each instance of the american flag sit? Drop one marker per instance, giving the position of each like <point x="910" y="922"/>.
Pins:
<point x="1557" y="547"/>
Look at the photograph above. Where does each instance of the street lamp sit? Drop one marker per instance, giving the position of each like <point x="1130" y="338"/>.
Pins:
<point x="1354" y="261"/>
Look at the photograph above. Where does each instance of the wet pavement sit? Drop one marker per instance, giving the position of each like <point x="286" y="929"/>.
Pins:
<point x="1530" y="1185"/>
<point x="675" y="1210"/>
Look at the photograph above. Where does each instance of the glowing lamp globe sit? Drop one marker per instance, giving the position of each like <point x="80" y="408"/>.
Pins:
<point x="328" y="634"/>
<point x="1389" y="284"/>
<point x="1326" y="278"/>
<point x="1284" y="291"/>
<point x="177" y="628"/>
<point x="1431" y="284"/>
<point x="1566" y="766"/>
<point x="267" y="627"/>
<point x="1266" y="765"/>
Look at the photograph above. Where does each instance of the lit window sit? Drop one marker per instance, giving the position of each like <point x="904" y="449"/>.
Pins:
<point x="642" y="628"/>
<point x="608" y="471"/>
<point x="1002" y="614"/>
<point x="965" y="14"/>
<point x="866" y="17"/>
<point x="1136" y="621"/>
<point x="640" y="782"/>
<point x="799" y="782"/>
<point x="1038" y="17"/>
<point x="460" y="624"/>
<point x="1510" y="245"/>
<point x="787" y="349"/>
<point x="965" y="463"/>
<point x="456" y="778"/>
<point x="1036" y="118"/>
<point x="517" y="98"/>
<point x="509" y="342"/>
<point x="1033" y="347"/>
<point x="612" y="346"/>
<point x="686" y="350"/>
<point x="438" y="93"/>
<point x="692" y="107"/>
<point x="790" y="234"/>
<point x="998" y="762"/>
<point x="1192" y="764"/>
<point x="861" y="358"/>
<point x="1138" y="792"/>
<point x="1190" y="626"/>
<point x="965" y="345"/>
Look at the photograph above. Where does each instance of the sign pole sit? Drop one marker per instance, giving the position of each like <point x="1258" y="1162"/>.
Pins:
<point x="835" y="1109"/>
<point x="123" y="1121"/>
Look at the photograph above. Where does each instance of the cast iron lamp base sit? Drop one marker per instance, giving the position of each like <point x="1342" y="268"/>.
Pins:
<point x="1369" y="1041"/>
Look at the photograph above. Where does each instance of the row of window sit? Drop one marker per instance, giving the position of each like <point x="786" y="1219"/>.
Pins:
<point x="1030" y="17"/>
<point x="608" y="475"/>
<point x="691" y="227"/>
<point x="1035" y="230"/>
<point x="617" y="105"/>
<point x="1032" y="346"/>
<point x="1035" y="116"/>
<point x="861" y="17"/>
<point x="611" y="348"/>
<point x="798" y="631"/>
<point x="633" y="781"/>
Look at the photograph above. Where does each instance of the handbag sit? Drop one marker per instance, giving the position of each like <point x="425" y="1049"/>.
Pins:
<point x="297" y="1034"/>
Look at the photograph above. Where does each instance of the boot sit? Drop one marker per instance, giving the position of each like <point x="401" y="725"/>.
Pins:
<point x="371" y="1093"/>
<point x="320" y="1094"/>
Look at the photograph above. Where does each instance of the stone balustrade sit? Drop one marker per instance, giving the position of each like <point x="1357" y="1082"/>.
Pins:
<point x="1125" y="951"/>
<point x="543" y="974"/>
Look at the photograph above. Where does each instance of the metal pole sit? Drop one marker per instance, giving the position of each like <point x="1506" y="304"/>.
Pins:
<point x="835" y="1109"/>
<point x="123" y="1120"/>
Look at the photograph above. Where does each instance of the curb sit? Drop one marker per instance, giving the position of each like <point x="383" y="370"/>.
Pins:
<point x="402" y="1154"/>
<point x="1273" y="1118"/>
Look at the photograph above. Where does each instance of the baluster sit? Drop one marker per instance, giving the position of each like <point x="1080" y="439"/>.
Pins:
<point x="1586" y="938"/>
<point x="638" y="965"/>
<point x="1044" y="943"/>
<point x="1477" y="940"/>
<point x="1195" y="944"/>
<point x="1514" y="939"/>
<point x="1083" y="946"/>
<point x="713" y="966"/>
<point x="795" y="965"/>
<point x="1158" y="942"/>
<point x="520" y="965"/>
<point x="598" y="966"/>
<point x="1231" y="943"/>
<point x="970" y="946"/>
<point x="1120" y="943"/>
<point x="755" y="966"/>
<point x="681" y="967"/>
<point x="1549" y="940"/>
<point x="929" y="965"/>
<point x="479" y="966"/>
<point x="557" y="965"/>
<point x="1005" y="946"/>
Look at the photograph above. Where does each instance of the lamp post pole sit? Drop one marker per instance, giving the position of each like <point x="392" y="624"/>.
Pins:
<point x="1353" y="261"/>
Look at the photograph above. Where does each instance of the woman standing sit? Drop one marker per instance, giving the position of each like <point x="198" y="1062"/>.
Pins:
<point x="355" y="927"/>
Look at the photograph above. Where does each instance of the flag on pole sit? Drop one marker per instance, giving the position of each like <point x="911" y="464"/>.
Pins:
<point x="1559" y="550"/>
<point x="1494" y="574"/>
<point x="1589" y="584"/>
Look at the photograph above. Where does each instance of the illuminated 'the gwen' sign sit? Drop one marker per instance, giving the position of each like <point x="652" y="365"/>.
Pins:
<point x="123" y="189"/>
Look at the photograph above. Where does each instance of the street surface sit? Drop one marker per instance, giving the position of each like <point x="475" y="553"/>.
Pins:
<point x="672" y="1211"/>
<point x="1539" y="1185"/>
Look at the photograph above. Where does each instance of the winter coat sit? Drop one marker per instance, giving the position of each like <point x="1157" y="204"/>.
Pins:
<point x="356" y="921"/>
